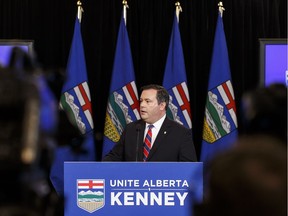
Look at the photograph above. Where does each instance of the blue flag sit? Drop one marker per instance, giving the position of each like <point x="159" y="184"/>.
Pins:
<point x="175" y="80"/>
<point x="76" y="102"/>
<point x="123" y="104"/>
<point x="220" y="121"/>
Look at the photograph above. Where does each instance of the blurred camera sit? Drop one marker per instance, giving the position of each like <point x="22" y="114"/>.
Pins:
<point x="26" y="189"/>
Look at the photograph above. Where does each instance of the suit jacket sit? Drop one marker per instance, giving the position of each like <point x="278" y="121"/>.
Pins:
<point x="173" y="143"/>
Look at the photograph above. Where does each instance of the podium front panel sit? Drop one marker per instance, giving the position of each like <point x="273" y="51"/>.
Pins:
<point x="131" y="188"/>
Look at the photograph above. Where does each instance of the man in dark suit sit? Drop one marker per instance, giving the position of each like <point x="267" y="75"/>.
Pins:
<point x="167" y="140"/>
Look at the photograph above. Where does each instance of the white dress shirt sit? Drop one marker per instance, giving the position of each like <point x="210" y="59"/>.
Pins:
<point x="155" y="130"/>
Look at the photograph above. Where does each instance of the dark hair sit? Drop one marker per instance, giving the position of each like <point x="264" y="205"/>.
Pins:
<point x="249" y="179"/>
<point x="265" y="111"/>
<point x="162" y="93"/>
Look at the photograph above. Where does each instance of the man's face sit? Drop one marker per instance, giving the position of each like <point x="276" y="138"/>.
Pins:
<point x="150" y="110"/>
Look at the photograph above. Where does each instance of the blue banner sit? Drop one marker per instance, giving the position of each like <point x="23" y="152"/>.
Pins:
<point x="107" y="188"/>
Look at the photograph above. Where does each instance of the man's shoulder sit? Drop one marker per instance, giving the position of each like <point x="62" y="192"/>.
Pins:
<point x="175" y="125"/>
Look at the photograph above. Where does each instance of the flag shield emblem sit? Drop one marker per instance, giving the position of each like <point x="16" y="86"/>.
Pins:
<point x="90" y="194"/>
<point x="179" y="104"/>
<point x="76" y="101"/>
<point x="122" y="108"/>
<point x="220" y="118"/>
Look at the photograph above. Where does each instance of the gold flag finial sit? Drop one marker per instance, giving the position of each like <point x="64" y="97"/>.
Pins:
<point x="124" y="2"/>
<point x="221" y="8"/>
<point x="80" y="10"/>
<point x="125" y="6"/>
<point x="178" y="10"/>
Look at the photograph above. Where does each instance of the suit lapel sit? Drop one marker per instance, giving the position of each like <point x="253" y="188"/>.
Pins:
<point x="160" y="139"/>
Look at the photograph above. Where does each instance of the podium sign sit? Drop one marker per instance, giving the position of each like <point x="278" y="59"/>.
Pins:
<point x="131" y="188"/>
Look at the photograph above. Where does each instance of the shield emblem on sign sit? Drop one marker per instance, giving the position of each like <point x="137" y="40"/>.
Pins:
<point x="90" y="194"/>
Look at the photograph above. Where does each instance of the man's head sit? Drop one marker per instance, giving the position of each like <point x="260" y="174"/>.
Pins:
<point x="264" y="111"/>
<point x="154" y="101"/>
<point x="249" y="179"/>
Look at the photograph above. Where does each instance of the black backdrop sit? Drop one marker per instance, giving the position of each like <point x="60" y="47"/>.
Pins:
<point x="50" y="24"/>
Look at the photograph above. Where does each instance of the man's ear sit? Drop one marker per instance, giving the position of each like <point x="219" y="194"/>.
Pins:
<point x="163" y="105"/>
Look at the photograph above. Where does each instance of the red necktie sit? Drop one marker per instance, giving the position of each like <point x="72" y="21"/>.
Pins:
<point x="147" y="142"/>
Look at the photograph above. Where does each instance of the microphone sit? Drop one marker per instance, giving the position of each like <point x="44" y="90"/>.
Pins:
<point x="138" y="127"/>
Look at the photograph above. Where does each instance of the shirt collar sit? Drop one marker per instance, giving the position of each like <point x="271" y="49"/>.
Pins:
<point x="158" y="123"/>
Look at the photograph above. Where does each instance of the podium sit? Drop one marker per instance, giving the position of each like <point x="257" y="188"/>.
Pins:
<point x="132" y="188"/>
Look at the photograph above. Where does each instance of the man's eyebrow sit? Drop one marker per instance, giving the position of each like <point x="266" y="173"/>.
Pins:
<point x="145" y="99"/>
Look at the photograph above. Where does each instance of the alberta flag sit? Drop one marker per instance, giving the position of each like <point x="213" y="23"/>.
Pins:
<point x="76" y="101"/>
<point x="123" y="104"/>
<point x="220" y="121"/>
<point x="175" y="80"/>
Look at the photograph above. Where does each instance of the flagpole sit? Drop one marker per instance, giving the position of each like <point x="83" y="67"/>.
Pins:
<point x="221" y="8"/>
<point x="178" y="10"/>
<point x="125" y="6"/>
<point x="80" y="10"/>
